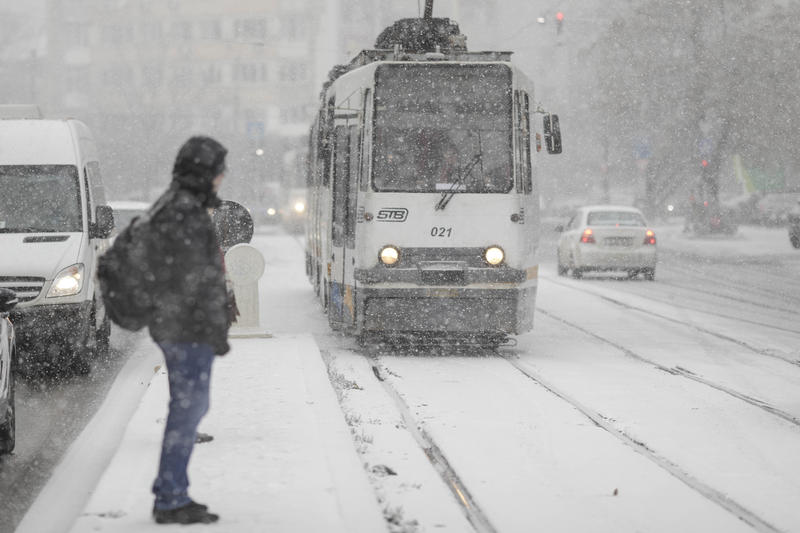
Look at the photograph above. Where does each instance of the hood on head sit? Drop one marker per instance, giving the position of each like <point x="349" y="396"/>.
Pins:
<point x="199" y="161"/>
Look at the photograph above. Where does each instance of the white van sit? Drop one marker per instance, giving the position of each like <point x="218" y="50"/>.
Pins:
<point x="54" y="223"/>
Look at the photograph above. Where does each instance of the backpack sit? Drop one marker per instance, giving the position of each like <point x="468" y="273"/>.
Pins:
<point x="125" y="276"/>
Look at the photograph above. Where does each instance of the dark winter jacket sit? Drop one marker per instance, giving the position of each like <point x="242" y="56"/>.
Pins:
<point x="190" y="301"/>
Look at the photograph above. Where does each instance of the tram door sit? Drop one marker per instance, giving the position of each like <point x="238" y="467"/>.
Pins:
<point x="343" y="224"/>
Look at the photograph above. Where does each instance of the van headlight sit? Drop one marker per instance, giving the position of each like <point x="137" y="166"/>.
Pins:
<point x="389" y="255"/>
<point x="494" y="255"/>
<point x="68" y="282"/>
<point x="299" y="207"/>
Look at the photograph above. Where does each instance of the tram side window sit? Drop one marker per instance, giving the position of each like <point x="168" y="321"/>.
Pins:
<point x="341" y="178"/>
<point x="524" y="128"/>
<point x="326" y="139"/>
<point x="366" y="139"/>
<point x="352" y="188"/>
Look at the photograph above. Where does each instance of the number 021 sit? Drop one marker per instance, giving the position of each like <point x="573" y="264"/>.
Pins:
<point x="441" y="232"/>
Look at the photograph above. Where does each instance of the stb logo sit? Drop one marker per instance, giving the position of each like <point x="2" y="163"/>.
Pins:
<point x="392" y="214"/>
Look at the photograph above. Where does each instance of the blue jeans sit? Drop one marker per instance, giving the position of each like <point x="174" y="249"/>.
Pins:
<point x="189" y="373"/>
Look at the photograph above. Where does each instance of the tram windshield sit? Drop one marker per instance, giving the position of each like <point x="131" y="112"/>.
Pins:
<point x="443" y="128"/>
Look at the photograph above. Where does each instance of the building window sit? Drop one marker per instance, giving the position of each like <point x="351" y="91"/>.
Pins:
<point x="181" y="30"/>
<point x="293" y="72"/>
<point x="151" y="31"/>
<point x="152" y="76"/>
<point x="250" y="29"/>
<point x="76" y="34"/>
<point x="181" y="75"/>
<point x="294" y="28"/>
<point x="210" y="29"/>
<point x="250" y="72"/>
<point x="211" y="74"/>
<point x="116" y="34"/>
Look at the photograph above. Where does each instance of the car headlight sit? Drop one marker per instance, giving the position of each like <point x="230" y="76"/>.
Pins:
<point x="271" y="212"/>
<point x="299" y="207"/>
<point x="68" y="282"/>
<point x="389" y="255"/>
<point x="494" y="255"/>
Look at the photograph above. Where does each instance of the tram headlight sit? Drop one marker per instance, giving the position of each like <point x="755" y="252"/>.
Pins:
<point x="389" y="255"/>
<point x="494" y="255"/>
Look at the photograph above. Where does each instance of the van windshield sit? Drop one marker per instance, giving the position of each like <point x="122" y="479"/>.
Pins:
<point x="39" y="198"/>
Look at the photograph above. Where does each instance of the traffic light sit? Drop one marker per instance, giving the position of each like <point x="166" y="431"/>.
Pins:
<point x="559" y="21"/>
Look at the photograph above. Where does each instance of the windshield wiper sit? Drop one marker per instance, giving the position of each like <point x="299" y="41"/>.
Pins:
<point x="467" y="170"/>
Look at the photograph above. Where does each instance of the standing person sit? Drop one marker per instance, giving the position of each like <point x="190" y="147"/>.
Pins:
<point x="190" y="315"/>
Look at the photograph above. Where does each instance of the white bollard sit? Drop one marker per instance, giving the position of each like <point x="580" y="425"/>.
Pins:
<point x="245" y="266"/>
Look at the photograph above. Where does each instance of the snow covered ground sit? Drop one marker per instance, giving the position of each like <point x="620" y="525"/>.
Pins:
<point x="632" y="406"/>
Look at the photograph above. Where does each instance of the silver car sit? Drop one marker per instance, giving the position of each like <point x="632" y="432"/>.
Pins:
<point x="607" y="238"/>
<point x="8" y="299"/>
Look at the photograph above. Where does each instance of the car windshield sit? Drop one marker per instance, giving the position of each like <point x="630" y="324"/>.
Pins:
<point x="39" y="198"/>
<point x="443" y="128"/>
<point x="614" y="218"/>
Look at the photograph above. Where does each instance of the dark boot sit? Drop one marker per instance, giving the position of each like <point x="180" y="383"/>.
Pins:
<point x="203" y="437"/>
<point x="191" y="513"/>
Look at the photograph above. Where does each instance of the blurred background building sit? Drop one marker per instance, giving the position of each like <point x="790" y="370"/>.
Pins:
<point x="146" y="74"/>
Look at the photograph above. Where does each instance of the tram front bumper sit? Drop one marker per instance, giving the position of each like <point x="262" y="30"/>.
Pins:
<point x="447" y="310"/>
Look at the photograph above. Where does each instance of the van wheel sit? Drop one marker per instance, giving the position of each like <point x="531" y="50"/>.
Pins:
<point x="8" y="427"/>
<point x="102" y="334"/>
<point x="80" y="366"/>
<point x="650" y="274"/>
<point x="103" y="339"/>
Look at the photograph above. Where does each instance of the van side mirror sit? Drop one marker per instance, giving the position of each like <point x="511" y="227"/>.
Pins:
<point x="104" y="222"/>
<point x="552" y="134"/>
<point x="8" y="300"/>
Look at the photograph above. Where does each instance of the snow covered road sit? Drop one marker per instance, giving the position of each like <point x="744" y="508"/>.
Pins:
<point x="660" y="406"/>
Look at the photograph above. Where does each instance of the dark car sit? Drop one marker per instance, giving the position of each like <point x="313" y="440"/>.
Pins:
<point x="8" y="299"/>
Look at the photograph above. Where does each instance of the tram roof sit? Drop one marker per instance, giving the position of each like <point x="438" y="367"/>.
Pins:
<point x="365" y="57"/>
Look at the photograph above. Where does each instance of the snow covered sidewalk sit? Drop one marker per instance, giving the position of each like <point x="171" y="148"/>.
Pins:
<point x="282" y="458"/>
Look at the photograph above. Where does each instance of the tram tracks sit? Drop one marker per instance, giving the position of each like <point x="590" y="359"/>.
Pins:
<point x="471" y="507"/>
<point x="679" y="371"/>
<point x="774" y="286"/>
<point x="472" y="511"/>
<point x="706" y="311"/>
<point x="744" y="344"/>
<point x="707" y="491"/>
<point x="415" y="428"/>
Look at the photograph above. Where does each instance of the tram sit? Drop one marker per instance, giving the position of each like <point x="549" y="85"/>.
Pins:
<point x="422" y="190"/>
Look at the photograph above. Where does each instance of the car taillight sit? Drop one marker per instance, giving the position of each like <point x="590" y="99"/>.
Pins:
<point x="649" y="237"/>
<point x="588" y="236"/>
